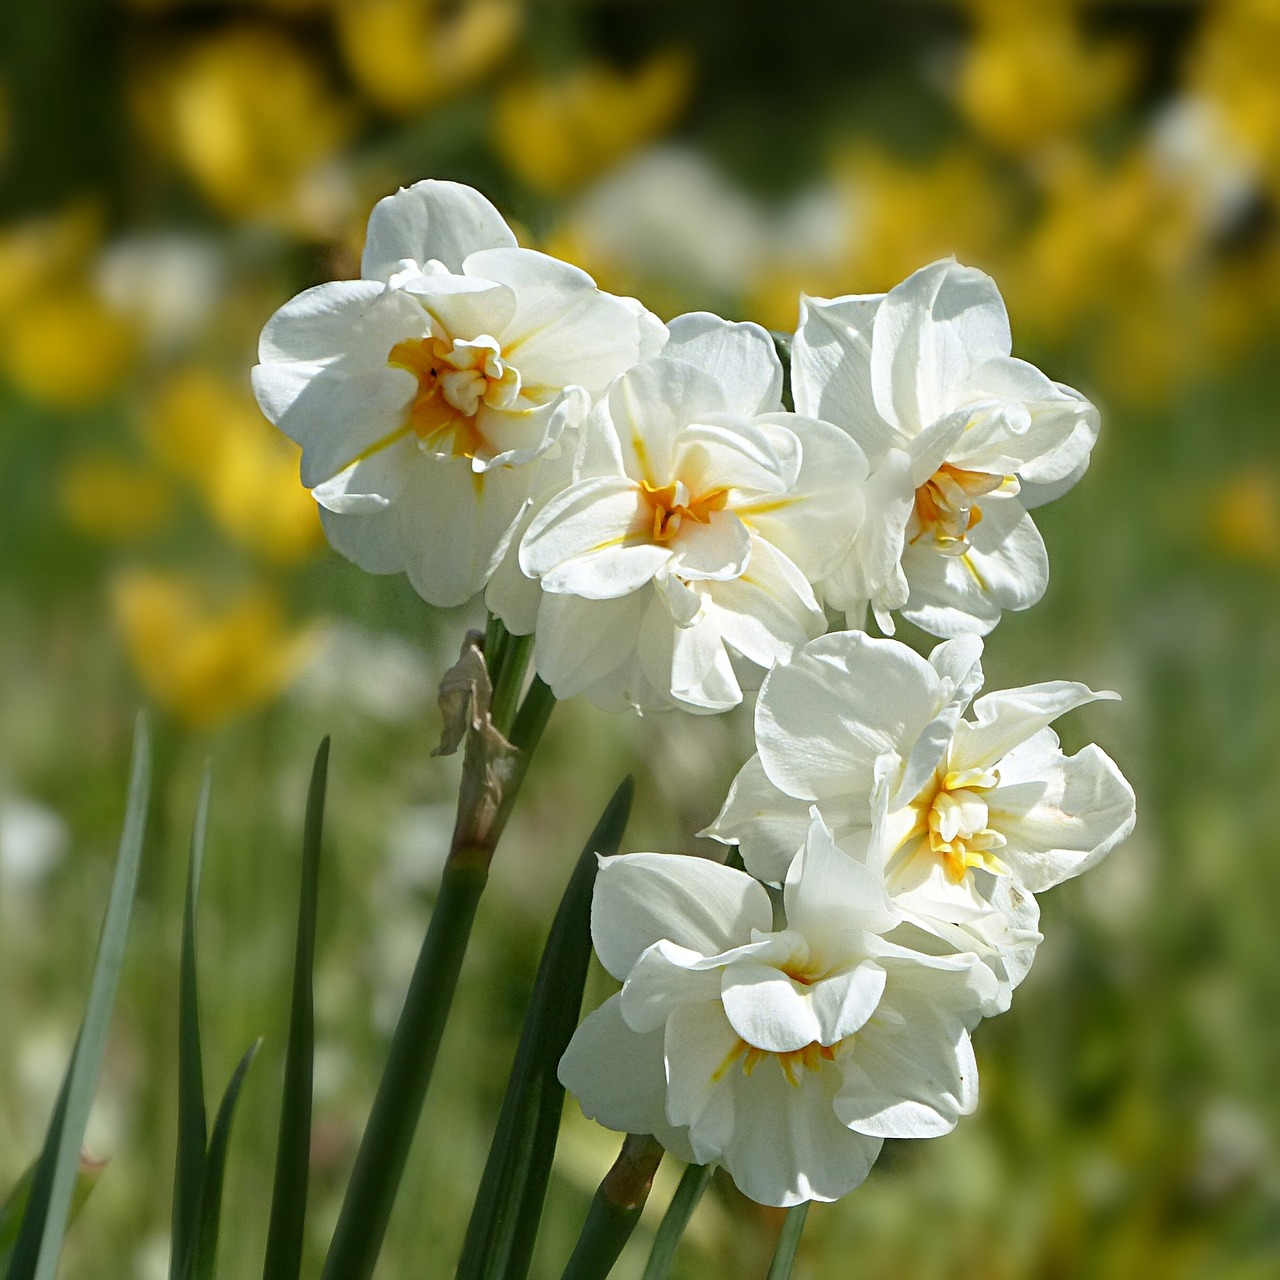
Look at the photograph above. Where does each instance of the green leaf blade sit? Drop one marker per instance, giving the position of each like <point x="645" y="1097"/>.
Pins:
<point x="293" y="1151"/>
<point x="508" y="1207"/>
<point x="49" y="1207"/>
<point x="192" y="1119"/>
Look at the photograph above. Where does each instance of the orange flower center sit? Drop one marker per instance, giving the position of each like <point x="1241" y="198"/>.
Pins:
<point x="672" y="505"/>
<point x="952" y="812"/>
<point x="946" y="509"/>
<point x="810" y="1058"/>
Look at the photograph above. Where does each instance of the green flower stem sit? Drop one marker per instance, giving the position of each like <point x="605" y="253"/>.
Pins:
<point x="696" y="1179"/>
<point x="515" y="654"/>
<point x="788" y="1242"/>
<point x="616" y="1209"/>
<point x="491" y="779"/>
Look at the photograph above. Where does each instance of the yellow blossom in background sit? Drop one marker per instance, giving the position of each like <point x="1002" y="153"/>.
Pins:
<point x="212" y="433"/>
<point x="1028" y="76"/>
<point x="1234" y="63"/>
<point x="407" y="55"/>
<point x="1244" y="518"/>
<point x="248" y="116"/>
<point x="203" y="656"/>
<point x="557" y="132"/>
<point x="61" y="342"/>
<point x="113" y="500"/>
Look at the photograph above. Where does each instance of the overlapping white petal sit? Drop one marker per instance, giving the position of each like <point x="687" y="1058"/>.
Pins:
<point x="710" y="510"/>
<point x="427" y="396"/>
<point x="967" y="817"/>
<point x="789" y="1055"/>
<point x="962" y="439"/>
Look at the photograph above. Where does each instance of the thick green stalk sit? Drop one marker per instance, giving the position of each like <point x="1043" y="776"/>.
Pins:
<point x="696" y="1179"/>
<point x="615" y="1210"/>
<point x="388" y="1136"/>
<point x="788" y="1242"/>
<point x="491" y="778"/>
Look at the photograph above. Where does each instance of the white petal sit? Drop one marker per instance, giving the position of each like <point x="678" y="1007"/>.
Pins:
<point x="665" y="977"/>
<point x="740" y="357"/>
<point x="788" y="1145"/>
<point x="616" y="1074"/>
<point x="337" y="419"/>
<point x="1065" y="822"/>
<point x="930" y="332"/>
<point x="828" y="894"/>
<point x="642" y="898"/>
<point x="769" y="610"/>
<point x="375" y="480"/>
<point x="718" y="549"/>
<point x="768" y="826"/>
<point x="814" y="523"/>
<point x="699" y="1051"/>
<point x="650" y="406"/>
<point x="580" y="642"/>
<point x="686" y="659"/>
<point x="455" y="526"/>
<point x="831" y="369"/>
<point x="369" y="538"/>
<point x="444" y="221"/>
<point x="721" y="451"/>
<point x="843" y="701"/>
<point x="1007" y="567"/>
<point x="593" y="540"/>
<point x="767" y="1008"/>
<point x="462" y="306"/>
<point x="564" y="331"/>
<point x="1007" y="717"/>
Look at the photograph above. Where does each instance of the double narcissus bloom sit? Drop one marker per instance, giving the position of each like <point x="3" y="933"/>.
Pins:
<point x="699" y="516"/>
<point x="786" y="1055"/>
<point x="426" y="394"/>
<point x="961" y="437"/>
<point x="966" y="819"/>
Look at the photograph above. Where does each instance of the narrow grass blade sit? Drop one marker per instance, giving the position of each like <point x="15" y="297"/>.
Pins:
<point x="193" y="1131"/>
<point x="53" y="1190"/>
<point x="11" y="1212"/>
<point x="204" y="1250"/>
<point x="293" y="1150"/>
<point x="695" y="1180"/>
<point x="504" y="1222"/>
<point x="788" y="1242"/>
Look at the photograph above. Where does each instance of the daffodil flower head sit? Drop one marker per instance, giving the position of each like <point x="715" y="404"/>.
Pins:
<point x="699" y="517"/>
<point x="967" y="819"/>
<point x="787" y="1055"/>
<point x="426" y="394"/>
<point x="962" y="439"/>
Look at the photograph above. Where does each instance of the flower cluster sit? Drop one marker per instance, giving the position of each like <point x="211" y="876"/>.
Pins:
<point x="648" y="502"/>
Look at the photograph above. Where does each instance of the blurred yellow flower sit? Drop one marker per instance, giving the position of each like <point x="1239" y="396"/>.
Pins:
<point x="1244" y="518"/>
<point x="61" y="342"/>
<point x="1028" y="76"/>
<point x="557" y="132"/>
<point x="1235" y="62"/>
<point x="410" y="54"/>
<point x="248" y="115"/>
<point x="213" y="434"/>
<point x="202" y="656"/>
<point x="116" y="501"/>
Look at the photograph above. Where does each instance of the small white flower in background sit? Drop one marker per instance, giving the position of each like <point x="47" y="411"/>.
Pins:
<point x="961" y="437"/>
<point x="967" y="819"/>
<point x="789" y="1055"/>
<point x="699" y="518"/>
<point x="425" y="394"/>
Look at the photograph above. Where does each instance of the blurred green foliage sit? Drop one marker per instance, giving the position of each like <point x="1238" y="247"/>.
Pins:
<point x="173" y="171"/>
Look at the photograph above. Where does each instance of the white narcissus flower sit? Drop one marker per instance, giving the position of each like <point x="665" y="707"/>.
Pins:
<point x="426" y="395"/>
<point x="961" y="437"/>
<point x="785" y="1055"/>
<point x="699" y="518"/>
<point x="967" y="819"/>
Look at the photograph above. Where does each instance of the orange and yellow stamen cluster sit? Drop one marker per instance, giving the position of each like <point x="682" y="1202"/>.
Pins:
<point x="454" y="379"/>
<point x="952" y="813"/>
<point x="946" y="508"/>
<point x="810" y="1058"/>
<point x="672" y="504"/>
